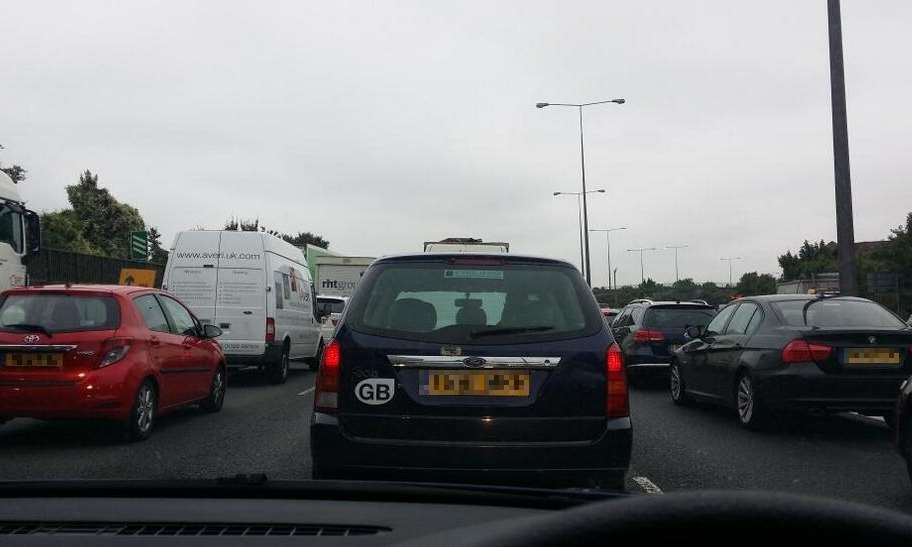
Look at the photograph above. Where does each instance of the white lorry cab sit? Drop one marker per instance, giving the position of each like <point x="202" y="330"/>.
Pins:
<point x="20" y="234"/>
<point x="257" y="289"/>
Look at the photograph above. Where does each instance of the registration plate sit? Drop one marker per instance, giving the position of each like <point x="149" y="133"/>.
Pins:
<point x="487" y="383"/>
<point x="37" y="360"/>
<point x="872" y="356"/>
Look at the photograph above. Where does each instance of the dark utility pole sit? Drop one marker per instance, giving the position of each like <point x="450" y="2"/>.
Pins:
<point x="845" y="229"/>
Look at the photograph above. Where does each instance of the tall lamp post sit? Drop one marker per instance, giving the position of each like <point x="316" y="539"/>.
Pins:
<point x="583" y="171"/>
<point x="730" y="259"/>
<point x="642" y="267"/>
<point x="676" y="247"/>
<point x="580" y="208"/>
<point x="608" y="246"/>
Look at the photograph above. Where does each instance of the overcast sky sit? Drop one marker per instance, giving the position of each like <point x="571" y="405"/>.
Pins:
<point x="383" y="125"/>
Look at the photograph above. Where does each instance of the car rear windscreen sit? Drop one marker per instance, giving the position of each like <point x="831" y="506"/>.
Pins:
<point x="331" y="306"/>
<point x="677" y="317"/>
<point x="58" y="312"/>
<point x="837" y="313"/>
<point x="473" y="304"/>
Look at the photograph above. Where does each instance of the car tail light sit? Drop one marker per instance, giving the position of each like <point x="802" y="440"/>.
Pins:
<point x="616" y="398"/>
<point x="645" y="335"/>
<point x="270" y="329"/>
<point x="326" y="398"/>
<point x="114" y="350"/>
<point x="800" y="351"/>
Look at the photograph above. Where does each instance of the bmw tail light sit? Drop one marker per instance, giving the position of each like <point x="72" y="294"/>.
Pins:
<point x="270" y="329"/>
<point x="800" y="351"/>
<point x="644" y="336"/>
<point x="326" y="398"/>
<point x="617" y="403"/>
<point x="114" y="351"/>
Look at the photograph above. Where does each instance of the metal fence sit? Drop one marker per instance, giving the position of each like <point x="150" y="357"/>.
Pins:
<point x="54" y="266"/>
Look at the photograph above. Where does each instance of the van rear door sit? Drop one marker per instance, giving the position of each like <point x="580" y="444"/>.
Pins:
<point x="192" y="272"/>
<point x="241" y="293"/>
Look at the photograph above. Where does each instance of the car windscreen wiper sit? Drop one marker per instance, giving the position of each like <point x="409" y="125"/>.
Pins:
<point x="29" y="328"/>
<point x="511" y="330"/>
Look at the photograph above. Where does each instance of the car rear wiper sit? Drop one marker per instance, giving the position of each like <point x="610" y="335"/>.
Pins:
<point x="29" y="327"/>
<point x="511" y="330"/>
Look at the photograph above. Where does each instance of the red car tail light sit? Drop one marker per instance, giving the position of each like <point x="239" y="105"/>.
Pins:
<point x="800" y="351"/>
<point x="616" y="397"/>
<point x="270" y="329"/>
<point x="644" y="335"/>
<point x="113" y="351"/>
<point x="326" y="398"/>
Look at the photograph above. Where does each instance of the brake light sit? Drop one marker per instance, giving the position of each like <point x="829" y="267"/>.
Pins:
<point x="616" y="398"/>
<point x="326" y="398"/>
<point x="645" y="335"/>
<point x="270" y="329"/>
<point x="800" y="351"/>
<point x="114" y="351"/>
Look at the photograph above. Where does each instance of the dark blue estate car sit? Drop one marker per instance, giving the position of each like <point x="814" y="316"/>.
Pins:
<point x="478" y="368"/>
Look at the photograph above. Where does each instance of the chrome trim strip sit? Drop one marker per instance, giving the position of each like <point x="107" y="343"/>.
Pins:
<point x="458" y="361"/>
<point x="649" y="365"/>
<point x="37" y="348"/>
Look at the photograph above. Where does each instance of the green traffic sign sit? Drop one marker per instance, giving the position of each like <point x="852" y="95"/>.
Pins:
<point x="139" y="245"/>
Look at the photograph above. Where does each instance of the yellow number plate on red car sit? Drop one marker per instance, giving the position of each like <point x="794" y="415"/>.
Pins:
<point x="44" y="360"/>
<point x="872" y="356"/>
<point x="483" y="383"/>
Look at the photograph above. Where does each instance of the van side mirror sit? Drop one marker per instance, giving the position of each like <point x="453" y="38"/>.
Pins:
<point x="211" y="331"/>
<point x="32" y="232"/>
<point x="693" y="332"/>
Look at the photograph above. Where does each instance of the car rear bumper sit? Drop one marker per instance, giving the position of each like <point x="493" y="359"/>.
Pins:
<point x="804" y="386"/>
<point x="100" y="394"/>
<point x="332" y="449"/>
<point x="271" y="354"/>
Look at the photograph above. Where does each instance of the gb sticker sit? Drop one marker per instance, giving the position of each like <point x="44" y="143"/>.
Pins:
<point x="375" y="391"/>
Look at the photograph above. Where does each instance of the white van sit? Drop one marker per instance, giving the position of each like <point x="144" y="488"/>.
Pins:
<point x="256" y="288"/>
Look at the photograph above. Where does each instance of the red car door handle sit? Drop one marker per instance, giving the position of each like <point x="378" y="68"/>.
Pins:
<point x="154" y="341"/>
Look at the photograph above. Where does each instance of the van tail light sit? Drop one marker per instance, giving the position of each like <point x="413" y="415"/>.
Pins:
<point x="643" y="336"/>
<point x="800" y="351"/>
<point x="113" y="351"/>
<point x="326" y="398"/>
<point x="270" y="329"/>
<point x="617" y="403"/>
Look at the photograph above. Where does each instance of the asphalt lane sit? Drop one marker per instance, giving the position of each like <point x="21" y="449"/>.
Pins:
<point x="703" y="447"/>
<point x="262" y="428"/>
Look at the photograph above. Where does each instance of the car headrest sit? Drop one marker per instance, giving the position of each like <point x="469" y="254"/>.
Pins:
<point x="412" y="315"/>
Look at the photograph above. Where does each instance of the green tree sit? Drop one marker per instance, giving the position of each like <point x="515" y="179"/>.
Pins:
<point x="63" y="230"/>
<point x="106" y="223"/>
<point x="303" y="238"/>
<point x="243" y="225"/>
<point x="753" y="283"/>
<point x="15" y="172"/>
<point x="158" y="254"/>
<point x="811" y="259"/>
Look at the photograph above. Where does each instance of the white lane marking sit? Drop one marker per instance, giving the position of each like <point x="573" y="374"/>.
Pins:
<point x="306" y="391"/>
<point x="647" y="485"/>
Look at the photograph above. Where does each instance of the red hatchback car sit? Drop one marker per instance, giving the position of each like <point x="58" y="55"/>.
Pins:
<point x="120" y="353"/>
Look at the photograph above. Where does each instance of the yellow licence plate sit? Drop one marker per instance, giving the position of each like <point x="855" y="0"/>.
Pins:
<point x="47" y="360"/>
<point x="488" y="383"/>
<point x="872" y="356"/>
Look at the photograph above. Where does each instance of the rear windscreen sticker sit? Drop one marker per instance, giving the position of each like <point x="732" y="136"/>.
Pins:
<point x="473" y="274"/>
<point x="375" y="391"/>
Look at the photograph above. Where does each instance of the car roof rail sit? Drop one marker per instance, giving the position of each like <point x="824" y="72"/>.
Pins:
<point x="700" y="301"/>
<point x="641" y="301"/>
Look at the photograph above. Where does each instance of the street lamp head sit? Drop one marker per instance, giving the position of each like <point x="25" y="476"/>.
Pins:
<point x="619" y="101"/>
<point x="558" y="193"/>
<point x="541" y="105"/>
<point x="601" y="190"/>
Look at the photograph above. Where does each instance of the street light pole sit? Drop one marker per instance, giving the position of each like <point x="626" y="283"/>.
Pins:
<point x="845" y="229"/>
<point x="642" y="266"/>
<point x="676" y="247"/>
<point x="579" y="207"/>
<point x="730" y="259"/>
<point x="608" y="246"/>
<point x="579" y="107"/>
